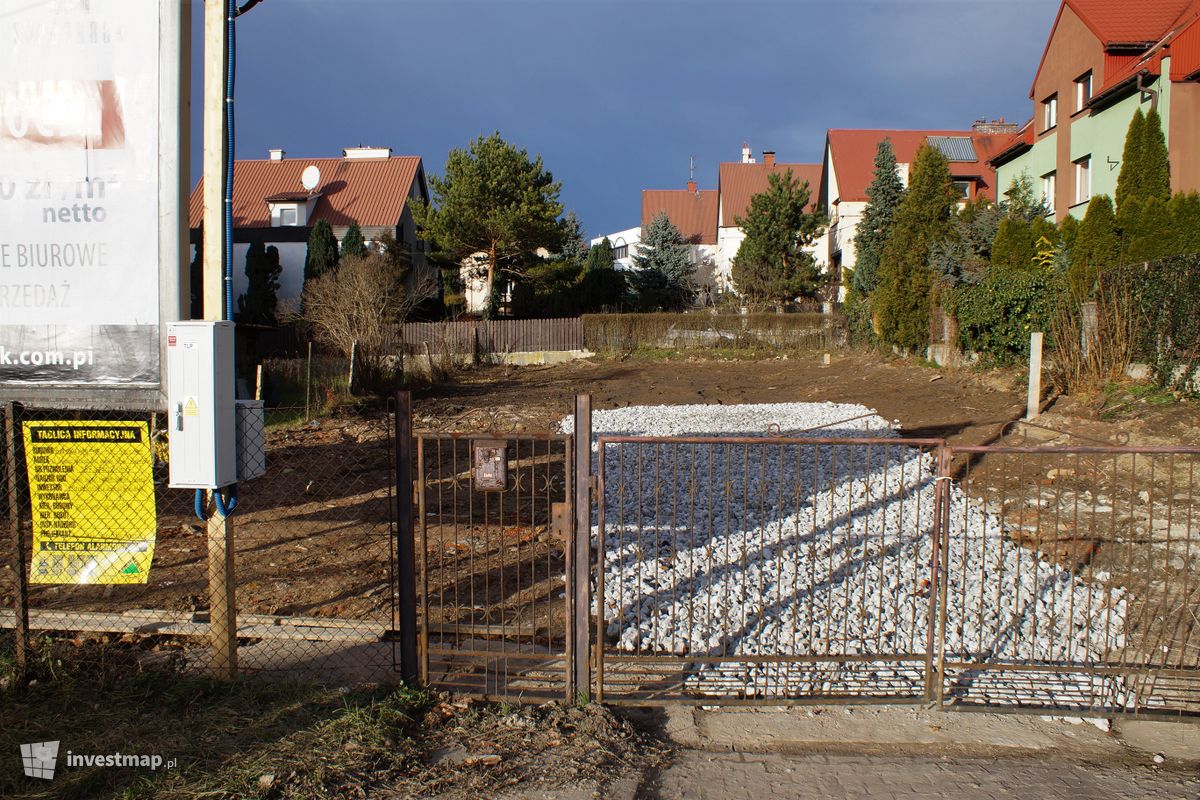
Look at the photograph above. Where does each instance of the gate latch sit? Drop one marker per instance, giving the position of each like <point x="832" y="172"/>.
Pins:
<point x="560" y="521"/>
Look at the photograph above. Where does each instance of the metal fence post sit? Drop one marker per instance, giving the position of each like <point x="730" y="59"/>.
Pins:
<point x="938" y="596"/>
<point x="581" y="546"/>
<point x="406" y="559"/>
<point x="21" y="595"/>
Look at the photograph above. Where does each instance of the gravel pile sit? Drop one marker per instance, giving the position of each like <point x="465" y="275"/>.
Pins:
<point x="825" y="550"/>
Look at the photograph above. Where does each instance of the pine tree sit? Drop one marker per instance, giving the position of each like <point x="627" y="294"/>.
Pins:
<point x="353" y="244"/>
<point x="664" y="267"/>
<point x="1097" y="247"/>
<point x="883" y="199"/>
<point x="322" y="255"/>
<point x="901" y="302"/>
<point x="1015" y="245"/>
<point x="260" y="302"/>
<point x="772" y="265"/>
<point x="574" y="247"/>
<point x="494" y="199"/>
<point x="600" y="256"/>
<point x="1185" y="223"/>
<point x="1129" y="179"/>
<point x="1152" y="236"/>
<point x="1155" y="159"/>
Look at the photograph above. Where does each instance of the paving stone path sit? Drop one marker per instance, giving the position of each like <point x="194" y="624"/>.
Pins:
<point x="728" y="776"/>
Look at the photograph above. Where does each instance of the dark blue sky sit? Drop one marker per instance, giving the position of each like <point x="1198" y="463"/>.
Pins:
<point x="617" y="95"/>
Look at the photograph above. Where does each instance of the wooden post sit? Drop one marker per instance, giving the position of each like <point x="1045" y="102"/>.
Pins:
<point x="406" y="556"/>
<point x="258" y="387"/>
<point x="221" y="577"/>
<point x="1034" y="400"/>
<point x="20" y="573"/>
<point x="581" y="544"/>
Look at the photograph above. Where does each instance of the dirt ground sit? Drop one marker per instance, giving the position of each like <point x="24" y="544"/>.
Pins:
<point x="962" y="406"/>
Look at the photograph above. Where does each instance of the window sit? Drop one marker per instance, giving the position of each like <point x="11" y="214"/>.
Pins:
<point x="1048" y="186"/>
<point x="620" y="251"/>
<point x="1083" y="91"/>
<point x="287" y="216"/>
<point x="1050" y="112"/>
<point x="1083" y="180"/>
<point x="962" y="191"/>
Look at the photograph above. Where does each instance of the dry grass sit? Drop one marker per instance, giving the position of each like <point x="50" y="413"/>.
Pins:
<point x="1111" y="342"/>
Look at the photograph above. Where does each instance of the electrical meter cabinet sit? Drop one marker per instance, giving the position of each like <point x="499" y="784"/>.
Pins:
<point x="200" y="405"/>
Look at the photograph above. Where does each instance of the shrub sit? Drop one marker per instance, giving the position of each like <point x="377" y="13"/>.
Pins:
<point x="996" y="316"/>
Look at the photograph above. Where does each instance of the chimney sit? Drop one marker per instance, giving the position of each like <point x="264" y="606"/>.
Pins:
<point x="691" y="186"/>
<point x="746" y="157"/>
<point x="360" y="152"/>
<point x="984" y="126"/>
<point x="276" y="154"/>
<point x="769" y="157"/>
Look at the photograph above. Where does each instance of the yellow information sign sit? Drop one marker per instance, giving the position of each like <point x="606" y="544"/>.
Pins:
<point x="91" y="486"/>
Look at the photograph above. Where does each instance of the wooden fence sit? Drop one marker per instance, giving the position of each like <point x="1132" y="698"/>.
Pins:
<point x="490" y="336"/>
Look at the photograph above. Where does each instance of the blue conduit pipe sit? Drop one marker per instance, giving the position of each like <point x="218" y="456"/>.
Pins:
<point x="231" y="12"/>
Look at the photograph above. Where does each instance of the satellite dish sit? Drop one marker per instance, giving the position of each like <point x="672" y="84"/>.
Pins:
<point x="311" y="177"/>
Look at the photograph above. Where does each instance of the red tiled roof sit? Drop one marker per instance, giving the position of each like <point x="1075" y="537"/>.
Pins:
<point x="1013" y="144"/>
<point x="853" y="154"/>
<point x="1185" y="52"/>
<point x="1117" y="22"/>
<point x="369" y="191"/>
<point x="694" y="213"/>
<point x="740" y="182"/>
<point x="1130" y="21"/>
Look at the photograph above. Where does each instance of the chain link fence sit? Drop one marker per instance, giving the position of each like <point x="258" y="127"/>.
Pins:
<point x="98" y="544"/>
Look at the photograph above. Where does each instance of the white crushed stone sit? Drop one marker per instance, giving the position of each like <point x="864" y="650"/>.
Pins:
<point x="825" y="551"/>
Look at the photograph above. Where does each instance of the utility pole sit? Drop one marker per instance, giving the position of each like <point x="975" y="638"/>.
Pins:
<point x="222" y="611"/>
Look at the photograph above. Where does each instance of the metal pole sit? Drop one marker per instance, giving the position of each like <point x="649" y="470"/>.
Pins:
<point x="581" y="544"/>
<point x="221" y="577"/>
<point x="406" y="558"/>
<point x="1034" y="400"/>
<point x="308" y="385"/>
<point x="21" y="598"/>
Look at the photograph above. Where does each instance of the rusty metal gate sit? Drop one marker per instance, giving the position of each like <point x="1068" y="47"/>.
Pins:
<point x="493" y="535"/>
<point x="814" y="568"/>
<point x="750" y="569"/>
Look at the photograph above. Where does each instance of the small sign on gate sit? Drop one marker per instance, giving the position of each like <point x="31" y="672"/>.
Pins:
<point x="491" y="465"/>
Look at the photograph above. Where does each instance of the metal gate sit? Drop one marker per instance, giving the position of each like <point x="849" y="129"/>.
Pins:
<point x="493" y="549"/>
<point x="817" y="568"/>
<point x="751" y="569"/>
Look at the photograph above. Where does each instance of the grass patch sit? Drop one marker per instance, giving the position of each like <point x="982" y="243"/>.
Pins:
<point x="248" y="738"/>
<point x="273" y="739"/>
<point x="1121" y="400"/>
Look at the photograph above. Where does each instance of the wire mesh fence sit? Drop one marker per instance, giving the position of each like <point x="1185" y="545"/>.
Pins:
<point x="1070" y="580"/>
<point x="110" y="549"/>
<point x="723" y="569"/>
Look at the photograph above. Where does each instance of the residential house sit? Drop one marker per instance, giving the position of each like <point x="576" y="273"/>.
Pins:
<point x="624" y="244"/>
<point x="272" y="205"/>
<point x="1104" y="60"/>
<point x="849" y="169"/>
<point x="694" y="212"/>
<point x="737" y="183"/>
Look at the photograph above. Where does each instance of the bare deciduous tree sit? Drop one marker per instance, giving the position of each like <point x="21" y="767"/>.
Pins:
<point x="354" y="307"/>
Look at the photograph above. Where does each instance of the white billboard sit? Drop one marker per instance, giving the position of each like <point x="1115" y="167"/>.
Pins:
<point x="81" y="195"/>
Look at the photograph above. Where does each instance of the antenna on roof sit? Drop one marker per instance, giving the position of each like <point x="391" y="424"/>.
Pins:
<point x="691" y="168"/>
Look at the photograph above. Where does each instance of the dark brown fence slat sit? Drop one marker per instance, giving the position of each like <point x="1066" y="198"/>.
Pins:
<point x="491" y="336"/>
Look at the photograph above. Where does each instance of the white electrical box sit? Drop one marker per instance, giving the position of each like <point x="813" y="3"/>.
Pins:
<point x="251" y="440"/>
<point x="200" y="405"/>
